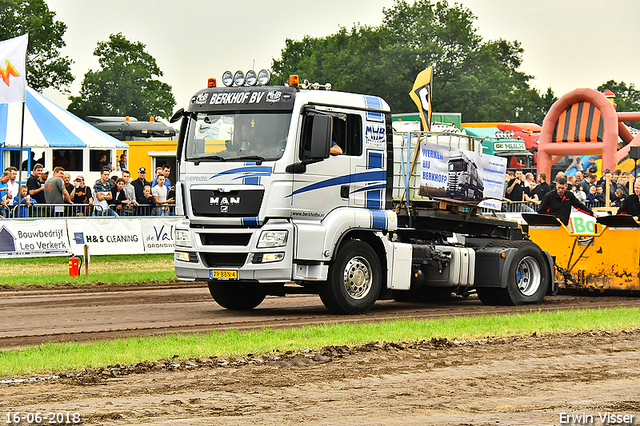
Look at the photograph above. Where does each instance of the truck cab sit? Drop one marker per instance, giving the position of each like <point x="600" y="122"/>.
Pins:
<point x="268" y="210"/>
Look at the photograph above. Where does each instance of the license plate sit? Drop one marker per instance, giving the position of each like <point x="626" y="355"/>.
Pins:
<point x="223" y="275"/>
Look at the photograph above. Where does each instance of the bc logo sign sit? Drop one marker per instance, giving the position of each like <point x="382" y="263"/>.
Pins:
<point x="375" y="134"/>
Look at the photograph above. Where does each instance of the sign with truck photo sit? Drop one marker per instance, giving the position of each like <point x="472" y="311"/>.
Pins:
<point x="461" y="176"/>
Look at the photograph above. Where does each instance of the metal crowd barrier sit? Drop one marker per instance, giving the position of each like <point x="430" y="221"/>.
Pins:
<point x="83" y="210"/>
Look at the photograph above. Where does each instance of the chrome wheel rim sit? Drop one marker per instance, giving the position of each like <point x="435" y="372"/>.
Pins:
<point x="357" y="278"/>
<point x="528" y="276"/>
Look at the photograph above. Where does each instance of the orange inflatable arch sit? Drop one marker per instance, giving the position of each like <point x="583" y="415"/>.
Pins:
<point x="584" y="122"/>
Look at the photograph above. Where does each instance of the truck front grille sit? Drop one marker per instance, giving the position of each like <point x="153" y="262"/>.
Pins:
<point x="216" y="260"/>
<point x="214" y="203"/>
<point x="225" y="239"/>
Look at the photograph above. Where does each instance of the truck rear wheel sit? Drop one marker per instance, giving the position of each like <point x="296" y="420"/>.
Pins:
<point x="355" y="279"/>
<point x="236" y="296"/>
<point x="528" y="277"/>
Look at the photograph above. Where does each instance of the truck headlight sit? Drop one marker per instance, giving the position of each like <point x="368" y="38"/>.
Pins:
<point x="273" y="239"/>
<point x="183" y="238"/>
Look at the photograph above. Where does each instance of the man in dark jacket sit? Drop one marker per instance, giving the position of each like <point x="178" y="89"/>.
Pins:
<point x="631" y="205"/>
<point x="558" y="202"/>
<point x="140" y="183"/>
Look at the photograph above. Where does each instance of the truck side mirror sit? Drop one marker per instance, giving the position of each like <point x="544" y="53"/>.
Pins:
<point x="319" y="142"/>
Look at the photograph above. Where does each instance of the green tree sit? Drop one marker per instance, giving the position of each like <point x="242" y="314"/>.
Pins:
<point x="46" y="67"/>
<point x="627" y="97"/>
<point x="479" y="79"/>
<point x="125" y="84"/>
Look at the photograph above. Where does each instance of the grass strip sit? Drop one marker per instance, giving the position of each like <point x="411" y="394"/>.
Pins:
<point x="112" y="269"/>
<point x="52" y="357"/>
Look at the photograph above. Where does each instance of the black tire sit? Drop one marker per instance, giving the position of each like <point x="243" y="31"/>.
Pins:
<point x="528" y="277"/>
<point x="235" y="295"/>
<point x="488" y="295"/>
<point x="355" y="279"/>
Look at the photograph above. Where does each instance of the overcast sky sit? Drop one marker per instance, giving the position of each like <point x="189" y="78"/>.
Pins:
<point x="568" y="43"/>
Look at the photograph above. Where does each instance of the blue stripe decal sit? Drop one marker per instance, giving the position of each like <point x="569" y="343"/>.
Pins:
<point x="378" y="219"/>
<point x="374" y="159"/>
<point x="4" y="117"/>
<point x="374" y="199"/>
<point x="56" y="133"/>
<point x="368" y="188"/>
<point x="263" y="170"/>
<point x="251" y="180"/>
<point x="250" y="221"/>
<point x="258" y="176"/>
<point x="343" y="180"/>
<point x="374" y="103"/>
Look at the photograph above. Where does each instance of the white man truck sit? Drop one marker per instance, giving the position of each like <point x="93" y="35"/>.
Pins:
<point x="268" y="210"/>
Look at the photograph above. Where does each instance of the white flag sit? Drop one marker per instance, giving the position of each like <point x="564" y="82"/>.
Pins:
<point x="13" y="71"/>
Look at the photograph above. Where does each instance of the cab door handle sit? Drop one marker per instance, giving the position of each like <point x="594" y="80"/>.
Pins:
<point x="344" y="191"/>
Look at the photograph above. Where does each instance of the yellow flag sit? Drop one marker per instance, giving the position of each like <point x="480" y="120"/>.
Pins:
<point x="421" y="95"/>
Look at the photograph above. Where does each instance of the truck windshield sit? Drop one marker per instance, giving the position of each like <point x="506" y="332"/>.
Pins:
<point x="237" y="136"/>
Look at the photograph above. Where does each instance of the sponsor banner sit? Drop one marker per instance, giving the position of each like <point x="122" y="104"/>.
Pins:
<point x="579" y="223"/>
<point x="34" y="238"/>
<point x="158" y="234"/>
<point x="105" y="236"/>
<point x="462" y="176"/>
<point x="509" y="146"/>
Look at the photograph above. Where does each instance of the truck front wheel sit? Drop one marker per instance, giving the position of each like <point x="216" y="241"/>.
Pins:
<point x="236" y="296"/>
<point x="355" y="279"/>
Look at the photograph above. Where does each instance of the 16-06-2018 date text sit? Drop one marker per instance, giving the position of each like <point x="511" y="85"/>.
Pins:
<point x="42" y="418"/>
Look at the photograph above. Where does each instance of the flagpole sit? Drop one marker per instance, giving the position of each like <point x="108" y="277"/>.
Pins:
<point x="21" y="147"/>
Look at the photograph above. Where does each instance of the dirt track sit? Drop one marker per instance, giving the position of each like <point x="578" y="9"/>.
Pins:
<point x="515" y="381"/>
<point x="81" y="314"/>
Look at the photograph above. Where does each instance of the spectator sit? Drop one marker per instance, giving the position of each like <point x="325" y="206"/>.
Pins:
<point x="35" y="184"/>
<point x="541" y="189"/>
<point x="103" y="162"/>
<point x="122" y="164"/>
<point x="155" y="177"/>
<point x="140" y="183"/>
<point x="515" y="192"/>
<point x="130" y="190"/>
<point x="591" y="196"/>
<point x="14" y="186"/>
<point x="54" y="191"/>
<point x="600" y="198"/>
<point x="558" y="175"/>
<point x="558" y="203"/>
<point x="66" y="178"/>
<point x="579" y="178"/>
<point x="81" y="194"/>
<point x="102" y="190"/>
<point x="147" y="202"/>
<point x="164" y="171"/>
<point x="588" y="182"/>
<point x="119" y="201"/>
<point x="160" y="194"/>
<point x="623" y="183"/>
<point x="619" y="198"/>
<point x="23" y="200"/>
<point x="4" y="194"/>
<point x="631" y="205"/>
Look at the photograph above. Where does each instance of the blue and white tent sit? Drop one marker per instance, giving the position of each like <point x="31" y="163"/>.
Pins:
<point x="52" y="132"/>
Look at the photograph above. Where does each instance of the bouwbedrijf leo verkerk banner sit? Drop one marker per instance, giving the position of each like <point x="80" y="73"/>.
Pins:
<point x="34" y="238"/>
<point x="462" y="176"/>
